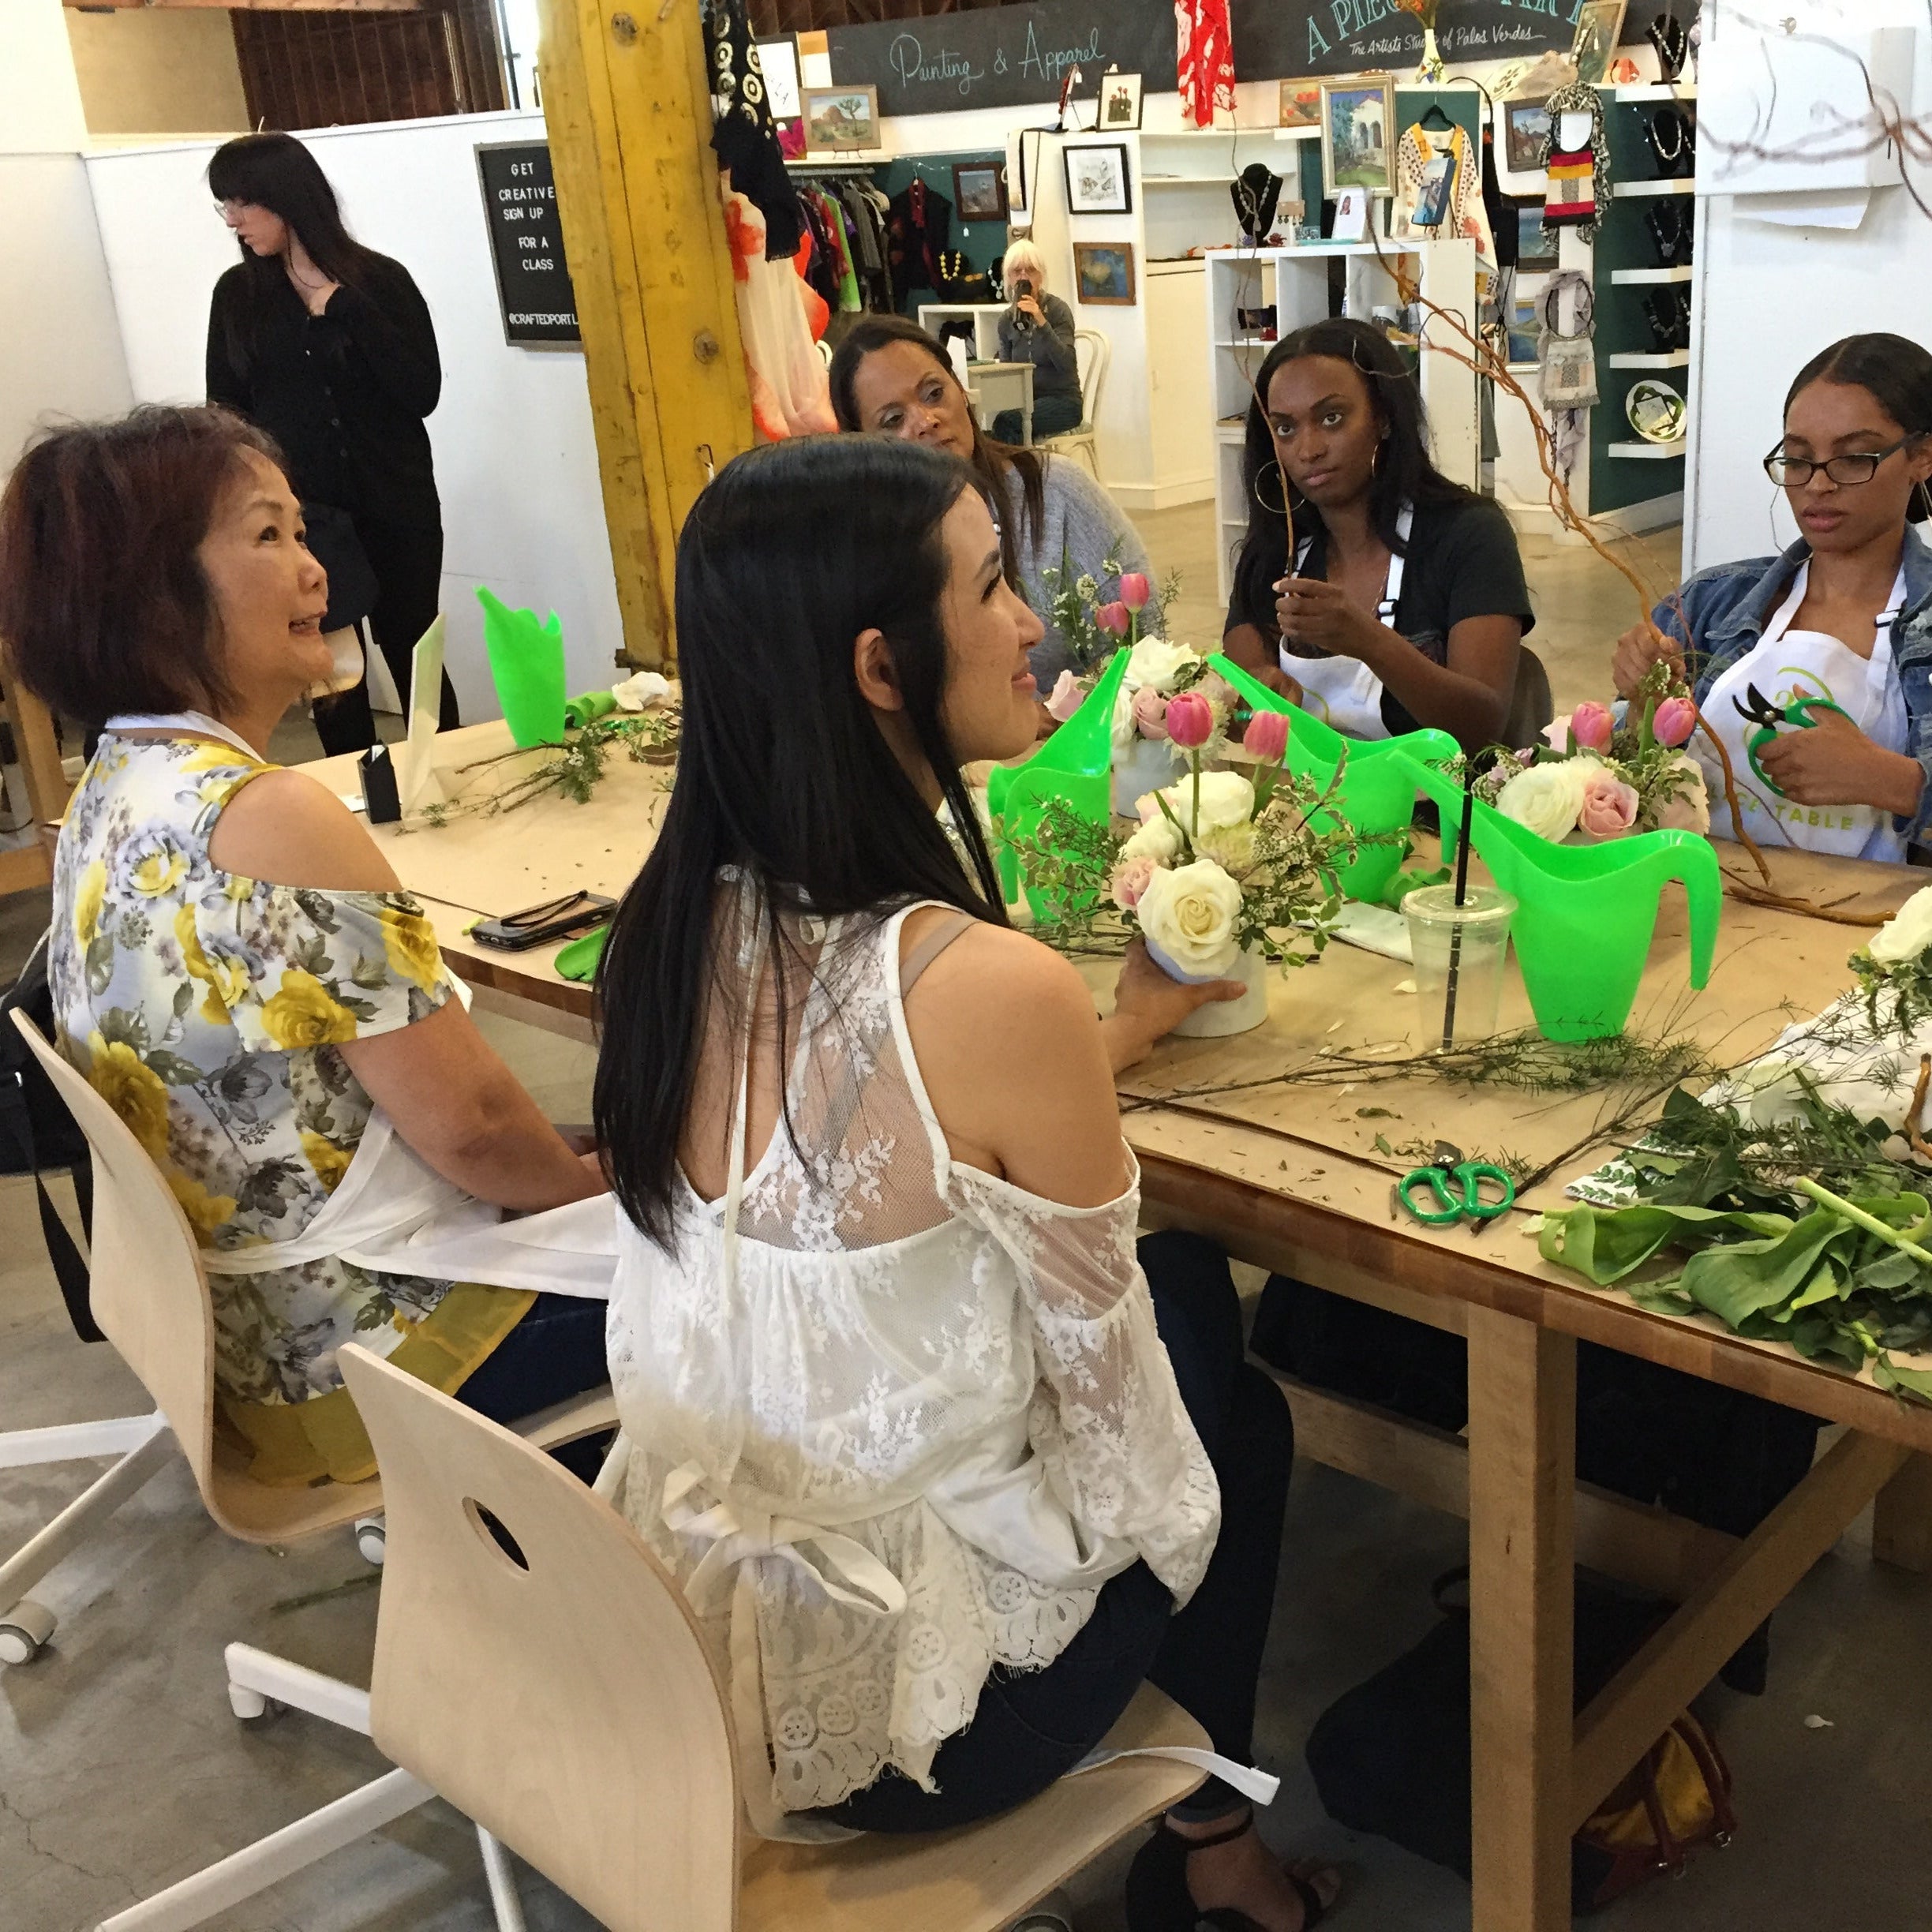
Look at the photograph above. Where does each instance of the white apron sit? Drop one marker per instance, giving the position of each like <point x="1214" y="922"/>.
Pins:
<point x="1788" y="665"/>
<point x="393" y="1213"/>
<point x="1343" y="691"/>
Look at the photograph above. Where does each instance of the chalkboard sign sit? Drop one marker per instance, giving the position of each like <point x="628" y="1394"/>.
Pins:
<point x="527" y="241"/>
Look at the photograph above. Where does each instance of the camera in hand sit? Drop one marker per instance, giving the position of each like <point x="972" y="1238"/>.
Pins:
<point x="1022" y="289"/>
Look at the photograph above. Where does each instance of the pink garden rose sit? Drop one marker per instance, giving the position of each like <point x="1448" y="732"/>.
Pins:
<point x="1130" y="881"/>
<point x="1150" y="713"/>
<point x="1066" y="699"/>
<point x="1593" y="725"/>
<point x="1675" y="719"/>
<point x="1190" y="720"/>
<point x="1268" y="736"/>
<point x="1115" y="618"/>
<point x="1609" y="807"/>
<point x="1135" y="590"/>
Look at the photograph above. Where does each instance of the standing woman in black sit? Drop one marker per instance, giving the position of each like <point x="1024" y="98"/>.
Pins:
<point x="329" y="348"/>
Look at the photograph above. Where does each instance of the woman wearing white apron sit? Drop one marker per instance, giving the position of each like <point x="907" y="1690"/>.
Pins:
<point x="292" y="1055"/>
<point x="1843" y="618"/>
<point x="1404" y="604"/>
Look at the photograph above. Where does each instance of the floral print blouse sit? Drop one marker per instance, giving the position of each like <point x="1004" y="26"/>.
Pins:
<point x="206" y="1008"/>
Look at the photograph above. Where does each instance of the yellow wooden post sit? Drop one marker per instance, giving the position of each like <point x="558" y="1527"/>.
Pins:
<point x="628" y="110"/>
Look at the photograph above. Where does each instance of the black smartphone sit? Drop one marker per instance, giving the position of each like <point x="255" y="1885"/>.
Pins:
<point x="538" y="925"/>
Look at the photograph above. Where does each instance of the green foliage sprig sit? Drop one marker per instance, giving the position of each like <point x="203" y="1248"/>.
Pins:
<point x="576" y="767"/>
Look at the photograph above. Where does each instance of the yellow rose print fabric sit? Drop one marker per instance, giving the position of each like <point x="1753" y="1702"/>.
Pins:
<point x="205" y="1008"/>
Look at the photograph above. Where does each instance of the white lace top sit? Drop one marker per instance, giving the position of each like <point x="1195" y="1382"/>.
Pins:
<point x="900" y="1421"/>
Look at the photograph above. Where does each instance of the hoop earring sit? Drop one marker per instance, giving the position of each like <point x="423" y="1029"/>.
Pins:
<point x="1273" y="509"/>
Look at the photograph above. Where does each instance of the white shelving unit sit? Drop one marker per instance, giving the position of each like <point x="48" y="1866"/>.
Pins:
<point x="1651" y="359"/>
<point x="1657" y="91"/>
<point x="1677" y="184"/>
<point x="1627" y="277"/>
<point x="1648" y="452"/>
<point x="1295" y="281"/>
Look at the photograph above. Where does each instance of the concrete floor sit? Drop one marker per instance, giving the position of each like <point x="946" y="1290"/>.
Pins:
<point x="121" y="1769"/>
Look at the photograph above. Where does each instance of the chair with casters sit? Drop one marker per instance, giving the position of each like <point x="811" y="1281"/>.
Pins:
<point x="1092" y="353"/>
<point x="537" y="1666"/>
<point x="150" y="1295"/>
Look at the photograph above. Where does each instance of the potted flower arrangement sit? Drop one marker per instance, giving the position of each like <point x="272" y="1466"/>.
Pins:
<point x="1595" y="778"/>
<point x="1146" y="754"/>
<point x="1222" y="876"/>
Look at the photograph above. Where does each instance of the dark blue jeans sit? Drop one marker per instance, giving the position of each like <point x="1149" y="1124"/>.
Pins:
<point x="1032" y="1727"/>
<point x="555" y="1352"/>
<point x="1052" y="415"/>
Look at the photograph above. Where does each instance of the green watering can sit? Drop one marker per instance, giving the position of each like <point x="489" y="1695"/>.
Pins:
<point x="1378" y="789"/>
<point x="1585" y="914"/>
<point x="526" y="663"/>
<point x="1073" y="766"/>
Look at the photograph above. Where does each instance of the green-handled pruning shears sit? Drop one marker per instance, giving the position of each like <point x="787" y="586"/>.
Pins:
<point x="1767" y="717"/>
<point x="1459" y="1191"/>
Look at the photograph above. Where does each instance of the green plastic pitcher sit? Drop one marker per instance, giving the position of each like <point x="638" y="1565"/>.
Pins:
<point x="1378" y="789"/>
<point x="1585" y="914"/>
<point x="526" y="663"/>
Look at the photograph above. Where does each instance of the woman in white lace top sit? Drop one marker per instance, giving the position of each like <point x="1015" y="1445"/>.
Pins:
<point x="941" y="1475"/>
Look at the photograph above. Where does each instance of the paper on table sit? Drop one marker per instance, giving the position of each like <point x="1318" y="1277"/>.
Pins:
<point x="1375" y="929"/>
<point x="416" y="781"/>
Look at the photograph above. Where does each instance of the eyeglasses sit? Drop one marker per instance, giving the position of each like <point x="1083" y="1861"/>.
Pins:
<point x="1795" y="472"/>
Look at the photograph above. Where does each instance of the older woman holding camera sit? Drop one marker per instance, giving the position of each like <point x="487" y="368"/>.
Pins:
<point x="1037" y="328"/>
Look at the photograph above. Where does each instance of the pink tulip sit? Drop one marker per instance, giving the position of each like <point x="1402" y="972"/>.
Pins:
<point x="1067" y="697"/>
<point x="1592" y="726"/>
<point x="1673" y="722"/>
<point x="1268" y="736"/>
<point x="1609" y="807"/>
<point x="1150" y="713"/>
<point x="1135" y="590"/>
<point x="1115" y="618"/>
<point x="1190" y="720"/>
<point x="1130" y="881"/>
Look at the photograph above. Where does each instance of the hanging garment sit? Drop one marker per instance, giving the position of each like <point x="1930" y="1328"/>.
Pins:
<point x="1579" y="176"/>
<point x="1204" y="58"/>
<point x="780" y="318"/>
<point x="743" y="135"/>
<point x="1343" y="691"/>
<point x="1436" y="170"/>
<point x="919" y="225"/>
<point x="1786" y="664"/>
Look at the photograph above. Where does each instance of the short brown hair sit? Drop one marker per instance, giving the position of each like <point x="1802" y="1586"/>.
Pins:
<point x="103" y="605"/>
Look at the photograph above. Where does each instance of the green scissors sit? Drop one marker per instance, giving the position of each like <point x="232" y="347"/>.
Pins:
<point x="1769" y="716"/>
<point x="1468" y="1204"/>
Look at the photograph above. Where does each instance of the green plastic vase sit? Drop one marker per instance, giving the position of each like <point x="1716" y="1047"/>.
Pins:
<point x="1585" y="914"/>
<point x="527" y="664"/>
<point x="1378" y="789"/>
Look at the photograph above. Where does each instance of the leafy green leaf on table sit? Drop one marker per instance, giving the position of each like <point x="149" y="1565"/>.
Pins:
<point x="1913" y="1382"/>
<point x="1605" y="1244"/>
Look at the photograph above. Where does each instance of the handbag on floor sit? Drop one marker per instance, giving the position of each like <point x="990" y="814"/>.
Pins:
<point x="1392" y="1756"/>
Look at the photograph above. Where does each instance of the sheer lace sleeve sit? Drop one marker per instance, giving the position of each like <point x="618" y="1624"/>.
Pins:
<point x="1108" y="1421"/>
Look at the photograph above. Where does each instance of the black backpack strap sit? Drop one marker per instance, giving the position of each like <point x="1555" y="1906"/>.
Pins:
<point x="70" y="1268"/>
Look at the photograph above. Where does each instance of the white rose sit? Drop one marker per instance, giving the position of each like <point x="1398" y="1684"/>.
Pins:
<point x="1226" y="799"/>
<point x="1547" y="798"/>
<point x="1156" y="840"/>
<point x="1189" y="916"/>
<point x="1156" y="661"/>
<point x="1689" y="811"/>
<point x="1907" y="932"/>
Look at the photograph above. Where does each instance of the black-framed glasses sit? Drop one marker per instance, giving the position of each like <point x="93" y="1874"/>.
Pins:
<point x="1861" y="466"/>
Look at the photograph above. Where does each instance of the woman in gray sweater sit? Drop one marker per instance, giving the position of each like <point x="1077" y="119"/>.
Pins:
<point x="1038" y="329"/>
<point x="890" y="378"/>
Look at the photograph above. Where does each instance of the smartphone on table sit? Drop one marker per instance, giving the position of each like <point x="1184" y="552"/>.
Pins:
<point x="574" y="914"/>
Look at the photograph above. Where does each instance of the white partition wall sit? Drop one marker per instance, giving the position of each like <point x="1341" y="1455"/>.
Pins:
<point x="515" y="457"/>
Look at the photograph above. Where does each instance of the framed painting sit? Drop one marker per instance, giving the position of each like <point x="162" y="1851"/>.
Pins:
<point x="1097" y="180"/>
<point x="1358" y="137"/>
<point x="1104" y="273"/>
<point x="841" y="120"/>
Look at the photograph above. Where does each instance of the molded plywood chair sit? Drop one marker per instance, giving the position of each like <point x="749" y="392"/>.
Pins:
<point x="1092" y="354"/>
<point x="562" y="1697"/>
<point x="150" y="1295"/>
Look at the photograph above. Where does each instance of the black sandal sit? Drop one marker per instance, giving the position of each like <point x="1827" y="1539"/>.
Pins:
<point x="1159" y="1900"/>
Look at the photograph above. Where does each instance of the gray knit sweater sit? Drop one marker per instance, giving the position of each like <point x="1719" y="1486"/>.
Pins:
<point x="1082" y="527"/>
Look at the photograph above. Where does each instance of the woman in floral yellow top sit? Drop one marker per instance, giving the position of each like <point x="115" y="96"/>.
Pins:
<point x="242" y="1020"/>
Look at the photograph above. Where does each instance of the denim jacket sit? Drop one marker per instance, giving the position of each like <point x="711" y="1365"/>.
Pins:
<point x="1726" y="608"/>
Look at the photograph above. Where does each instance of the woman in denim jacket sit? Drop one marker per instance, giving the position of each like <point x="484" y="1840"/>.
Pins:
<point x="1844" y="616"/>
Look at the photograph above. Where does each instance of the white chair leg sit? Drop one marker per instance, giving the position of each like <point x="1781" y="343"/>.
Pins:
<point x="78" y="1442"/>
<point x="502" y="1888"/>
<point x="280" y="1855"/>
<point x="255" y="1677"/>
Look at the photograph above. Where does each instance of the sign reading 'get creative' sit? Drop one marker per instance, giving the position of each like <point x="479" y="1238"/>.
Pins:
<point x="526" y="243"/>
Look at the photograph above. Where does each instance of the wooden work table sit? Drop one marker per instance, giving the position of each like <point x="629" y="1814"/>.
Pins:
<point x="1288" y="1175"/>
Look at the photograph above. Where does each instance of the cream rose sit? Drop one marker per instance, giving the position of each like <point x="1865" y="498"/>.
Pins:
<point x="1189" y="916"/>
<point x="1154" y="661"/>
<point x="1226" y="799"/>
<point x="1546" y="799"/>
<point x="1156" y="840"/>
<point x="1907" y="932"/>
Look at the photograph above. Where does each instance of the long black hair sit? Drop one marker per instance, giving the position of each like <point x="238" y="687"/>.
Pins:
<point x="995" y="461"/>
<point x="276" y="172"/>
<point x="1405" y="472"/>
<point x="788" y="556"/>
<point x="1896" y="372"/>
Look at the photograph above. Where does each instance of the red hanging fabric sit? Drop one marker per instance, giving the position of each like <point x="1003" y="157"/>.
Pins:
<point x="1204" y="56"/>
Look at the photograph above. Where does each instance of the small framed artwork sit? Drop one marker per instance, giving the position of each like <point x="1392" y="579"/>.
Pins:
<point x="1525" y="128"/>
<point x="1120" y="102"/>
<point x="1097" y="182"/>
<point x="840" y="120"/>
<point x="1300" y="104"/>
<point x="980" y="190"/>
<point x="1536" y="241"/>
<point x="1351" y="215"/>
<point x="1357" y="144"/>
<point x="1599" y="26"/>
<point x="1103" y="273"/>
<point x="778" y="61"/>
<point x="1526" y="331"/>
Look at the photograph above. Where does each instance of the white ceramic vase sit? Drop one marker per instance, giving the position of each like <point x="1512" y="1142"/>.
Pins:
<point x="1146" y="765"/>
<point x="1221" y="1017"/>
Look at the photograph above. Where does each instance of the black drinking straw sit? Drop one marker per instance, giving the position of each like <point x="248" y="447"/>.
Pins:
<point x="1462" y="894"/>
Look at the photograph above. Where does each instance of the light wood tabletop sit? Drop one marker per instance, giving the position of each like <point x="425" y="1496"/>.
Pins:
<point x="1268" y="1141"/>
